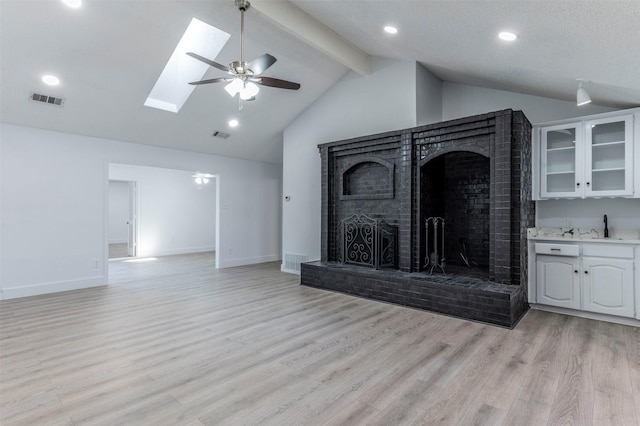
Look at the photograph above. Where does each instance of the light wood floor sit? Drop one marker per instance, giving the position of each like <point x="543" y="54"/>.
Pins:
<point x="176" y="342"/>
<point x="117" y="250"/>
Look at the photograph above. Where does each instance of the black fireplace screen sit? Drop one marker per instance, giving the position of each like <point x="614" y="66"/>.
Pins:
<point x="368" y="242"/>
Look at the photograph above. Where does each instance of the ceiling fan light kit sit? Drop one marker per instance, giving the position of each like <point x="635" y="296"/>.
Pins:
<point x="247" y="90"/>
<point x="246" y="75"/>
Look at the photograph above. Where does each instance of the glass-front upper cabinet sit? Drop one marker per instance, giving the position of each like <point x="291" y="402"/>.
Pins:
<point x="561" y="163"/>
<point x="609" y="156"/>
<point x="591" y="158"/>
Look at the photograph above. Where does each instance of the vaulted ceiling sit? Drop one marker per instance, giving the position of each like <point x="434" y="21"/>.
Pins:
<point x="109" y="54"/>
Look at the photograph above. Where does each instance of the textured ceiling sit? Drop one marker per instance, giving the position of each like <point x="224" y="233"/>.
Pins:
<point x="110" y="53"/>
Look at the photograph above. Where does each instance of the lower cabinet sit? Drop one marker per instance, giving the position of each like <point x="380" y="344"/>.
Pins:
<point x="558" y="281"/>
<point x="607" y="286"/>
<point x="596" y="278"/>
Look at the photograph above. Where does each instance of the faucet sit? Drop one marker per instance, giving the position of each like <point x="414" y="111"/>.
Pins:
<point x="606" y="227"/>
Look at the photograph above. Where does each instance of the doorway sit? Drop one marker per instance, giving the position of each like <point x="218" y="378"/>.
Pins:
<point x="123" y="219"/>
<point x="169" y="212"/>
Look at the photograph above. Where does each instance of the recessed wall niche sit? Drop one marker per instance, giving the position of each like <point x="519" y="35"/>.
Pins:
<point x="367" y="179"/>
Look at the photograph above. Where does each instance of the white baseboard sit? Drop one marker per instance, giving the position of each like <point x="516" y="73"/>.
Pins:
<point x="53" y="287"/>
<point x="584" y="314"/>
<point x="248" y="261"/>
<point x="175" y="251"/>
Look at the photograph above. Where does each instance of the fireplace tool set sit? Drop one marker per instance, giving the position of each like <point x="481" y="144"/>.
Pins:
<point x="434" y="228"/>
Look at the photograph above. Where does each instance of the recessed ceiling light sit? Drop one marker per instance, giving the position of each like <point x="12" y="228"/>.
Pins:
<point x="507" y="36"/>
<point x="390" y="29"/>
<point x="51" y="80"/>
<point x="233" y="123"/>
<point x="73" y="3"/>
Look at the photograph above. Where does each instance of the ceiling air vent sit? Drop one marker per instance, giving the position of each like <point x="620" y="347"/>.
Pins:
<point x="46" y="99"/>
<point x="221" y="135"/>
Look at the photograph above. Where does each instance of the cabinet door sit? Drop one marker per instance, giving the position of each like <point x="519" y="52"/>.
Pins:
<point x="608" y="286"/>
<point x="558" y="281"/>
<point x="609" y="156"/>
<point x="561" y="165"/>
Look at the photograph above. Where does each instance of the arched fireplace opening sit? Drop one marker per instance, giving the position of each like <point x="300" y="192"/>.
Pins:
<point x="455" y="187"/>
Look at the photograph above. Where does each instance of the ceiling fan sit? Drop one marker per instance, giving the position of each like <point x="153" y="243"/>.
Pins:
<point x="246" y="75"/>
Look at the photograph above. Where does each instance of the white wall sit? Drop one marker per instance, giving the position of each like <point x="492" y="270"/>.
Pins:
<point x="428" y="97"/>
<point x="118" y="212"/>
<point x="354" y="106"/>
<point x="461" y="100"/>
<point x="622" y="213"/>
<point x="175" y="215"/>
<point x="54" y="215"/>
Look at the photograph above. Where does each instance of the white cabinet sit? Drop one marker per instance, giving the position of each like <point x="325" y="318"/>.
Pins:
<point x="607" y="286"/>
<point x="585" y="158"/>
<point x="558" y="281"/>
<point x="560" y="160"/>
<point x="609" y="159"/>
<point x="590" y="277"/>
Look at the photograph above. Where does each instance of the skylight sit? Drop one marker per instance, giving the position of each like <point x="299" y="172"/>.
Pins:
<point x="172" y="90"/>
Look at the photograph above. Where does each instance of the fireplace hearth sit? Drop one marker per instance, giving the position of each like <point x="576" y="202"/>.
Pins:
<point x="453" y="202"/>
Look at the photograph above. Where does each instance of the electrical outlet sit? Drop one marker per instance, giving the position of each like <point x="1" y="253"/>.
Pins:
<point x="96" y="264"/>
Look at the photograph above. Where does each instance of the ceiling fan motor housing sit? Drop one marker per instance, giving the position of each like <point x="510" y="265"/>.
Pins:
<point x="243" y="5"/>
<point x="239" y="68"/>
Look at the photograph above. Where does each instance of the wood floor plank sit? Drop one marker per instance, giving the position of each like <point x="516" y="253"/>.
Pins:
<point x="401" y="378"/>
<point x="20" y="407"/>
<point x="481" y="414"/>
<point x="467" y="388"/>
<point x="632" y="349"/>
<point x="574" y="398"/>
<point x="532" y="402"/>
<point x="354" y="414"/>
<point x="175" y="341"/>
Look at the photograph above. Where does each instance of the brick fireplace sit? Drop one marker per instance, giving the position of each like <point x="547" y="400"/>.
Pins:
<point x="473" y="173"/>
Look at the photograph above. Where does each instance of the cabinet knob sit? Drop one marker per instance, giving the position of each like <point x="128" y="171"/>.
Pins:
<point x="577" y="183"/>
<point x="576" y="271"/>
<point x="586" y="272"/>
<point x="588" y="183"/>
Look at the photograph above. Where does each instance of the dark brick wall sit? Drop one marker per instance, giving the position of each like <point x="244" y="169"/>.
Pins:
<point x="469" y="298"/>
<point x="353" y="182"/>
<point x="522" y="193"/>
<point x="369" y="165"/>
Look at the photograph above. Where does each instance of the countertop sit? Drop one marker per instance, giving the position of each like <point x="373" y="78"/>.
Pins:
<point x="584" y="235"/>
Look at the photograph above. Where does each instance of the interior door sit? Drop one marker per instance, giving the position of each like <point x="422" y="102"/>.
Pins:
<point x="132" y="221"/>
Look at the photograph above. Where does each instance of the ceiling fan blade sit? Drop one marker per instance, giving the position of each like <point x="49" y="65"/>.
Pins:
<point x="276" y="82"/>
<point x="260" y="64"/>
<point x="209" y="62"/>
<point x="212" y="80"/>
